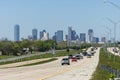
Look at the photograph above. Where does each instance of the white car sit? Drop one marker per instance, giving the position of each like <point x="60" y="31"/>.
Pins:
<point x="65" y="61"/>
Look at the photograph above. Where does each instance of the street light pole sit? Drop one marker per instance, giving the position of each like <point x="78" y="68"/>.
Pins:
<point x="110" y="40"/>
<point x="107" y="39"/>
<point x="109" y="32"/>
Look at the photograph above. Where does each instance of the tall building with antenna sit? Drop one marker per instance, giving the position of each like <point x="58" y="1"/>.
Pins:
<point x="16" y="33"/>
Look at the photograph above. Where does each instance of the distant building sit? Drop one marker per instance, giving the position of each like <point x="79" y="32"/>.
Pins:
<point x="95" y="40"/>
<point x="73" y="35"/>
<point x="103" y="39"/>
<point x="55" y="36"/>
<point x="69" y="39"/>
<point x="4" y="39"/>
<point x="30" y="38"/>
<point x="90" y="35"/>
<point x="66" y="37"/>
<point x="76" y="37"/>
<point x="46" y="36"/>
<point x="42" y="34"/>
<point x="59" y="36"/>
<point x="17" y="33"/>
<point x="34" y="34"/>
<point x="83" y="37"/>
<point x="69" y="33"/>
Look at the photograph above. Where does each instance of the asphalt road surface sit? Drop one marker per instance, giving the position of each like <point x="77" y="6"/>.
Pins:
<point x="80" y="70"/>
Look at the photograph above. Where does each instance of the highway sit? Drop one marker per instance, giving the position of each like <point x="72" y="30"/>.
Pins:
<point x="80" y="70"/>
<point x="111" y="51"/>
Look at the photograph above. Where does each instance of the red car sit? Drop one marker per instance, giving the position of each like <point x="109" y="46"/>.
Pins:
<point x="74" y="59"/>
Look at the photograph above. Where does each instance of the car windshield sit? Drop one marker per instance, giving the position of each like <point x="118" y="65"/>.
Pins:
<point x="74" y="58"/>
<point x="65" y="59"/>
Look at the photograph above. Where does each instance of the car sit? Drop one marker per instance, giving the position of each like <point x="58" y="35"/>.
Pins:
<point x="78" y="57"/>
<point x="92" y="53"/>
<point x="115" y="50"/>
<point x="96" y="48"/>
<point x="74" y="59"/>
<point x="92" y="49"/>
<point x="70" y="56"/>
<point x="84" y="53"/>
<point x="65" y="61"/>
<point x="88" y="55"/>
<point x="81" y="57"/>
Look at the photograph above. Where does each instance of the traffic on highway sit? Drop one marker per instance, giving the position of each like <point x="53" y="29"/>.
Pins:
<point x="78" y="56"/>
<point x="61" y="69"/>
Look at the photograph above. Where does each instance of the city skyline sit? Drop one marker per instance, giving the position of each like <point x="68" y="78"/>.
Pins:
<point x="58" y="36"/>
<point x="57" y="15"/>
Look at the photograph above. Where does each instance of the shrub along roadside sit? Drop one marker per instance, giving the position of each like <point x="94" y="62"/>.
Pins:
<point x="106" y="60"/>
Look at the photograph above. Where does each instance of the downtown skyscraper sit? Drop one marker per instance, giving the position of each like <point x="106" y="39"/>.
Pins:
<point x="44" y="35"/>
<point x="69" y="33"/>
<point x="59" y="36"/>
<point x="90" y="35"/>
<point x="83" y="37"/>
<point x="34" y="34"/>
<point x="72" y="36"/>
<point x="16" y="33"/>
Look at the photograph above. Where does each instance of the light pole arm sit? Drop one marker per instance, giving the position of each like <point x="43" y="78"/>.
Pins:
<point x="110" y="20"/>
<point x="118" y="7"/>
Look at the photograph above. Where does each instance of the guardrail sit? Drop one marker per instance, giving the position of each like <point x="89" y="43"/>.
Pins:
<point x="26" y="56"/>
<point x="111" y="70"/>
<point x="20" y="57"/>
<point x="115" y="79"/>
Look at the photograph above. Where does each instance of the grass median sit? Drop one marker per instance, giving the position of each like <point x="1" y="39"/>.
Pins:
<point x="106" y="59"/>
<point x="41" y="62"/>
<point x="47" y="55"/>
<point x="6" y="56"/>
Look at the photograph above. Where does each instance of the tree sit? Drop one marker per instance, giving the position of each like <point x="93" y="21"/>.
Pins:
<point x="43" y="45"/>
<point x="25" y="43"/>
<point x="67" y="49"/>
<point x="37" y="45"/>
<point x="7" y="47"/>
<point x="17" y="49"/>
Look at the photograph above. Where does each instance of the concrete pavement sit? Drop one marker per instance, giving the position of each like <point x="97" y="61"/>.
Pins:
<point x="81" y="70"/>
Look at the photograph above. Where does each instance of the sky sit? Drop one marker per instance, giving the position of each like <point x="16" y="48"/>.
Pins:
<point x="53" y="15"/>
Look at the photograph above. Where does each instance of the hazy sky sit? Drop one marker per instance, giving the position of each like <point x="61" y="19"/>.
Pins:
<point x="54" y="15"/>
